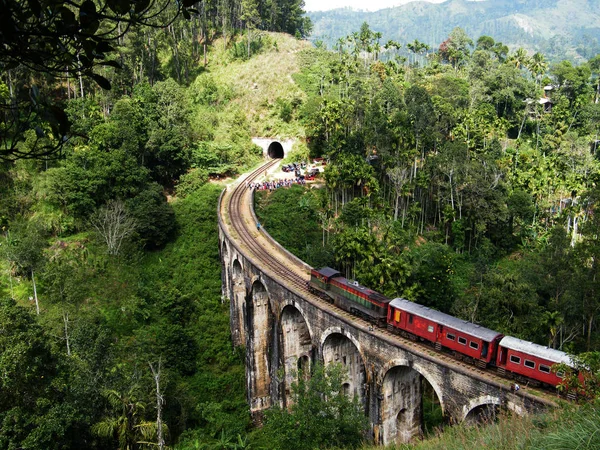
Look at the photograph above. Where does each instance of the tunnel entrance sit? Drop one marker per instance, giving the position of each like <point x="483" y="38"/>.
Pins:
<point x="275" y="150"/>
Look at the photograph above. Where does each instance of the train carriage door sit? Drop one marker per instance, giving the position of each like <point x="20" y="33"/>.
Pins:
<point x="484" y="349"/>
<point x="502" y="356"/>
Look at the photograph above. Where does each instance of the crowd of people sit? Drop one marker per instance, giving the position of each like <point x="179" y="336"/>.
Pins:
<point x="275" y="184"/>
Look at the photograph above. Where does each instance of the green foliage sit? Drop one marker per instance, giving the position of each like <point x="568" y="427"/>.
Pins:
<point x="24" y="247"/>
<point x="35" y="406"/>
<point x="320" y="416"/>
<point x="91" y="177"/>
<point x="191" y="182"/>
<point x="554" y="36"/>
<point x="291" y="216"/>
<point x="432" y="273"/>
<point x="154" y="217"/>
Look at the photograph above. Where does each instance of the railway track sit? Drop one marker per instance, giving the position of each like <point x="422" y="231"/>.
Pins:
<point x="248" y="234"/>
<point x="249" y="237"/>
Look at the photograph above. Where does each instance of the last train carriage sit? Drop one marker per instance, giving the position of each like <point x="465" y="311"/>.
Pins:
<point x="529" y="361"/>
<point x="349" y="295"/>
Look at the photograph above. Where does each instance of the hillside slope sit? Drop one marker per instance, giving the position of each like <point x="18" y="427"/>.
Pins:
<point x="263" y="84"/>
<point x="560" y="28"/>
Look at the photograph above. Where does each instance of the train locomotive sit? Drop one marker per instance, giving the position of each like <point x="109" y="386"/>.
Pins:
<point x="512" y="357"/>
<point x="359" y="300"/>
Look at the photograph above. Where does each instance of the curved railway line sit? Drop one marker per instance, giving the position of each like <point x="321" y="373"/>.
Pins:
<point x="248" y="233"/>
<point x="295" y="277"/>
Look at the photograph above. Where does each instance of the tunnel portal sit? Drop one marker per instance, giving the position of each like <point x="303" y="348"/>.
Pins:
<point x="275" y="150"/>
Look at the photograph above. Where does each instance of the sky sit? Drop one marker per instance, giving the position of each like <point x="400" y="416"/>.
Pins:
<point x="366" y="5"/>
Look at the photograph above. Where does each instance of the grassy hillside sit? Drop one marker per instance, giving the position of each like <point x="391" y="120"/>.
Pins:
<point x="262" y="86"/>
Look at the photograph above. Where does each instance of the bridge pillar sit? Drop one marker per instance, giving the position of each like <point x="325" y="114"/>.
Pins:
<point x="401" y="406"/>
<point x="237" y="305"/>
<point x="338" y="348"/>
<point x="296" y="349"/>
<point x="258" y="345"/>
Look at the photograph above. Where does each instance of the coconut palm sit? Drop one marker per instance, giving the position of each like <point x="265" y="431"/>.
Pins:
<point x="519" y="58"/>
<point x="537" y="65"/>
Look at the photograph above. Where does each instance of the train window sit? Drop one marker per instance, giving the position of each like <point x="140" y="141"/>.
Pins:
<point x="560" y="374"/>
<point x="450" y="336"/>
<point x="515" y="359"/>
<point x="397" y="315"/>
<point x="544" y="368"/>
<point x="474" y="345"/>
<point x="462" y="340"/>
<point x="410" y="317"/>
<point x="529" y="364"/>
<point x="430" y="329"/>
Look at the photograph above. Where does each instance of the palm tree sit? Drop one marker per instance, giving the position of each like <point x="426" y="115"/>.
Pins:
<point x="127" y="425"/>
<point x="519" y="58"/>
<point x="537" y="65"/>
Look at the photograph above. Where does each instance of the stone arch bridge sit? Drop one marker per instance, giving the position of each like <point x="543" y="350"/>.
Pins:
<point x="285" y="329"/>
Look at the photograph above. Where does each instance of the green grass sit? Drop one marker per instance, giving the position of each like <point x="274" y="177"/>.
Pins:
<point x="261" y="83"/>
<point x="568" y="428"/>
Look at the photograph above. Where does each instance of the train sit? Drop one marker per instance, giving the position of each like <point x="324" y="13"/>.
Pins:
<point x="515" y="358"/>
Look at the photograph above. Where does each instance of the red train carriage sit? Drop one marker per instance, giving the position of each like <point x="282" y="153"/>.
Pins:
<point x="529" y="360"/>
<point x="464" y="338"/>
<point x="351" y="296"/>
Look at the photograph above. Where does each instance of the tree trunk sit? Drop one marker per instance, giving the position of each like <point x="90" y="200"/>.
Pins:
<point x="176" y="53"/>
<point x="80" y="77"/>
<point x="248" y="31"/>
<point x="589" y="332"/>
<point x="66" y="321"/>
<point x="159" y="404"/>
<point x="37" y="304"/>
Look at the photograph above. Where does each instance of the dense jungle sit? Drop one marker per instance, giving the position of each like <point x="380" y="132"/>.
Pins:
<point x="463" y="178"/>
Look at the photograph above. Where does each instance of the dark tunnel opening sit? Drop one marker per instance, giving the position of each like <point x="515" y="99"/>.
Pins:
<point x="275" y="150"/>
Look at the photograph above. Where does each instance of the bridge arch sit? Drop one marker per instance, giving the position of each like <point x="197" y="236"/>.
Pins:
<point x="339" y="347"/>
<point x="287" y="303"/>
<point x="418" y="368"/>
<point x="296" y="345"/>
<point x="259" y="319"/>
<point x="481" y="409"/>
<point x="402" y="397"/>
<point x="275" y="150"/>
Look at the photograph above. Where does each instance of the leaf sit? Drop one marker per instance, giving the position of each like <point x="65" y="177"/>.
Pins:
<point x="36" y="9"/>
<point x="91" y="27"/>
<point x="112" y="63"/>
<point x="141" y="5"/>
<point x="104" y="47"/>
<point x="89" y="46"/>
<point x="68" y="17"/>
<point x="88" y="17"/>
<point x="101" y="81"/>
<point x="119" y="6"/>
<point x="59" y="116"/>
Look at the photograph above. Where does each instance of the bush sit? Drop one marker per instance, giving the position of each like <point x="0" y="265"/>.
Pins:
<point x="192" y="181"/>
<point x="154" y="216"/>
